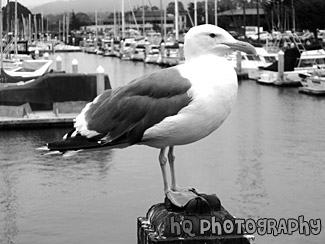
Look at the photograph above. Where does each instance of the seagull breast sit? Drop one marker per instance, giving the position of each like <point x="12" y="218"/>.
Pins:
<point x="213" y="91"/>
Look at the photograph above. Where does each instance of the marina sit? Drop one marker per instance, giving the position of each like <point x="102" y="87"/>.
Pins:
<point x="270" y="141"/>
<point x="259" y="178"/>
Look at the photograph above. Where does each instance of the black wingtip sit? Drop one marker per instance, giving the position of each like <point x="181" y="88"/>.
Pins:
<point x="72" y="143"/>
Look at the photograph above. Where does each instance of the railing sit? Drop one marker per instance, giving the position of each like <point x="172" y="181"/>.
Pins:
<point x="8" y="48"/>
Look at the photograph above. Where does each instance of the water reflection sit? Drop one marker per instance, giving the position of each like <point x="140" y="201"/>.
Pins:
<point x="84" y="164"/>
<point x="27" y="176"/>
<point x="8" y="205"/>
<point x="265" y="161"/>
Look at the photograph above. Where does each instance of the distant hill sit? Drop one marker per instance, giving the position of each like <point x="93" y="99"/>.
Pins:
<point x="87" y="6"/>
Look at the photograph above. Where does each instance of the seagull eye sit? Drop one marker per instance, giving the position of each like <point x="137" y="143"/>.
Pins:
<point x="212" y="35"/>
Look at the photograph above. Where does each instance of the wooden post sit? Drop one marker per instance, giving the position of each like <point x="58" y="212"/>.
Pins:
<point x="181" y="52"/>
<point x="36" y="54"/>
<point x="280" y="66"/>
<point x="46" y="56"/>
<point x="100" y="80"/>
<point x="58" y="63"/>
<point x="162" y="52"/>
<point x="122" y="47"/>
<point x="74" y="64"/>
<point x="112" y="46"/>
<point x="202" y="220"/>
<point x="238" y="64"/>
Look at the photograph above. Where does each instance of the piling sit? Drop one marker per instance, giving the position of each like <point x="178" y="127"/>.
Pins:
<point x="36" y="54"/>
<point x="74" y="64"/>
<point x="100" y="79"/>
<point x="46" y="56"/>
<point x="112" y="46"/>
<point x="58" y="63"/>
<point x="122" y="46"/>
<point x="202" y="220"/>
<point x="181" y="52"/>
<point x="280" y="66"/>
<point x="162" y="52"/>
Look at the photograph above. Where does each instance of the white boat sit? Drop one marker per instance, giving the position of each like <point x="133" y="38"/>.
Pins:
<point x="62" y="47"/>
<point x="153" y="54"/>
<point x="315" y="85"/>
<point x="126" y="48"/>
<point x="90" y="46"/>
<point x="318" y="72"/>
<point x="30" y="69"/>
<point x="294" y="67"/>
<point x="170" y="56"/>
<point x="139" y="52"/>
<point x="251" y="64"/>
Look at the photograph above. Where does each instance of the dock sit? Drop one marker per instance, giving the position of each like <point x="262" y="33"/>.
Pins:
<point x="37" y="120"/>
<point x="52" y="100"/>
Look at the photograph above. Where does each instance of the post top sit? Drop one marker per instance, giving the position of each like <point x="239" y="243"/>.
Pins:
<point x="74" y="61"/>
<point x="100" y="69"/>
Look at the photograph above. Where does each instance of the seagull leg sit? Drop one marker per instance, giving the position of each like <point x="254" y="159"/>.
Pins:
<point x="163" y="162"/>
<point x="171" y="160"/>
<point x="178" y="196"/>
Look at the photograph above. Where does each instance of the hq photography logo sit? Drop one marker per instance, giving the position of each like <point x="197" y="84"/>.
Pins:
<point x="264" y="226"/>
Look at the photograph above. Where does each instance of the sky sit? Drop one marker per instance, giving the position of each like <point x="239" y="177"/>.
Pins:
<point x="30" y="3"/>
<point x="33" y="3"/>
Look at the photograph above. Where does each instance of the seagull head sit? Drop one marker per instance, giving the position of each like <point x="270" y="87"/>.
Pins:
<point x="211" y="39"/>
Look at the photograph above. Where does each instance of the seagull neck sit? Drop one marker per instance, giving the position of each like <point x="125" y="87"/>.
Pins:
<point x="205" y="58"/>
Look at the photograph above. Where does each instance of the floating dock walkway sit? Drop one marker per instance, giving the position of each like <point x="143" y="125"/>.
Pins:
<point x="37" y="120"/>
<point x="52" y="100"/>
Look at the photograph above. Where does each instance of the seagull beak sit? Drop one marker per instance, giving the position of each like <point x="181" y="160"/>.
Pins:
<point x="241" y="46"/>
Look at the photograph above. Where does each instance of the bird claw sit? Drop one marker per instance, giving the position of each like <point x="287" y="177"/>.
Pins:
<point x="180" y="198"/>
<point x="183" y="189"/>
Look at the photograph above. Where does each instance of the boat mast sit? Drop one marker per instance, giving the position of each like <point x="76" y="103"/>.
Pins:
<point x="216" y="12"/>
<point x="114" y="17"/>
<point x="195" y="13"/>
<point x="206" y="12"/>
<point x="123" y="20"/>
<point x="16" y="27"/>
<point x="59" y="30"/>
<point x="8" y="21"/>
<point x="165" y="23"/>
<point x="258" y="20"/>
<point x="29" y="28"/>
<point x="63" y="28"/>
<point x="293" y="16"/>
<point x="176" y="20"/>
<point x="67" y="28"/>
<point x="1" y="44"/>
<point x="42" y="23"/>
<point x="35" y="28"/>
<point x="96" y="29"/>
<point x="143" y="19"/>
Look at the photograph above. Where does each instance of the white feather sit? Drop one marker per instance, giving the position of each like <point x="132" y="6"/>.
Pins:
<point x="212" y="95"/>
<point x="81" y="124"/>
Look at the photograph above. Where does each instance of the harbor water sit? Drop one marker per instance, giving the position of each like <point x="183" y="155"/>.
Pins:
<point x="266" y="161"/>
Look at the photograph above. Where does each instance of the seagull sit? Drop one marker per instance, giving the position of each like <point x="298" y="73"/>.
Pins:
<point x="171" y="107"/>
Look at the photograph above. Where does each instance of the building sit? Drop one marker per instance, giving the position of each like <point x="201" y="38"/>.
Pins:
<point x="236" y="19"/>
<point x="142" y="21"/>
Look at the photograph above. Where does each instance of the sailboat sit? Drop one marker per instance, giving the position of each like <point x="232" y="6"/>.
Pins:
<point x="20" y="69"/>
